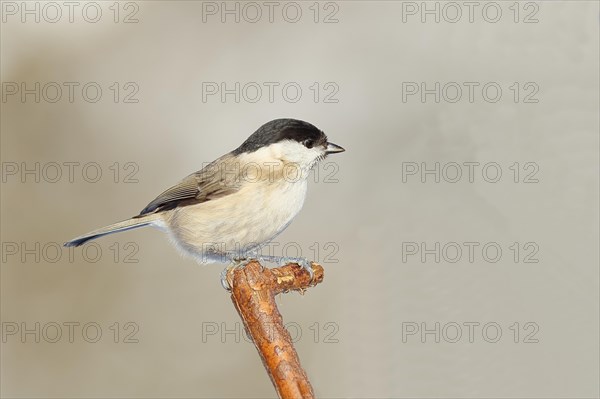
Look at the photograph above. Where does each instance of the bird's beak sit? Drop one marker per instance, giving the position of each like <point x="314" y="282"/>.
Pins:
<point x="333" y="148"/>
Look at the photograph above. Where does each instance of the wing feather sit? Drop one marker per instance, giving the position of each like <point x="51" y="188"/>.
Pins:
<point x="209" y="183"/>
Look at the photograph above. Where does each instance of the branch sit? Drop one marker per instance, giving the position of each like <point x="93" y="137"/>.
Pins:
<point x="253" y="290"/>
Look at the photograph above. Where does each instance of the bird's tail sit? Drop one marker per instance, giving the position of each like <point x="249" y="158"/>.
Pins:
<point x="128" y="224"/>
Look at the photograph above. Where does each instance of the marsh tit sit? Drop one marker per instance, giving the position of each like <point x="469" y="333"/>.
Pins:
<point x="229" y="209"/>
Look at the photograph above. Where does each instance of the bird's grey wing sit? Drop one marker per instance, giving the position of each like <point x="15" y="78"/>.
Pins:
<point x="206" y="184"/>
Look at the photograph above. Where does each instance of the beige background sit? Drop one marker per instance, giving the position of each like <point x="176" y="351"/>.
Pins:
<point x="371" y="293"/>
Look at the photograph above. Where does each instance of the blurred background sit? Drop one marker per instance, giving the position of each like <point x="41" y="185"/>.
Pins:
<point x="459" y="231"/>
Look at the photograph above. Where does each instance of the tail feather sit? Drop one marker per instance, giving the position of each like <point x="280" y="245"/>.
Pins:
<point x="125" y="225"/>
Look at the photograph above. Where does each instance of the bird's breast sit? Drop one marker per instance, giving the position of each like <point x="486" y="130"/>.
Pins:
<point x="249" y="217"/>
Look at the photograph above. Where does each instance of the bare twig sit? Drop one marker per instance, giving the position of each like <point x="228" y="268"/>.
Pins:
<point x="253" y="290"/>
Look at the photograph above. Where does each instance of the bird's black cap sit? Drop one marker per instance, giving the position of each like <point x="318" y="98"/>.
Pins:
<point x="283" y="129"/>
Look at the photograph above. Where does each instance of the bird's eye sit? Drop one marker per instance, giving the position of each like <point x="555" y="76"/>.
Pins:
<point x="308" y="143"/>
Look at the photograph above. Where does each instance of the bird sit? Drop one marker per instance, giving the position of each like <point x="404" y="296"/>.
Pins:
<point x="233" y="206"/>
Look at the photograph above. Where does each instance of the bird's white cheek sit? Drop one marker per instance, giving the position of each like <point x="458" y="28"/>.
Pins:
<point x="304" y="158"/>
<point x="293" y="155"/>
<point x="265" y="158"/>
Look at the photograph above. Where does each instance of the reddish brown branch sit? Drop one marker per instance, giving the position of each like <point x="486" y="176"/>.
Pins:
<point x="253" y="290"/>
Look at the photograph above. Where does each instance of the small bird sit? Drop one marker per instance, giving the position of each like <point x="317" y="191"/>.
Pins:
<point x="229" y="209"/>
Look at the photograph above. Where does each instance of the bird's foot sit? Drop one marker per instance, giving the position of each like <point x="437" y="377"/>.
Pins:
<point x="279" y="260"/>
<point x="284" y="260"/>
<point x="235" y="263"/>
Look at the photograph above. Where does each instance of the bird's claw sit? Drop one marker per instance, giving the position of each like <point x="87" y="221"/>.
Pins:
<point x="235" y="263"/>
<point x="224" y="283"/>
<point x="302" y="262"/>
<point x="309" y="269"/>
